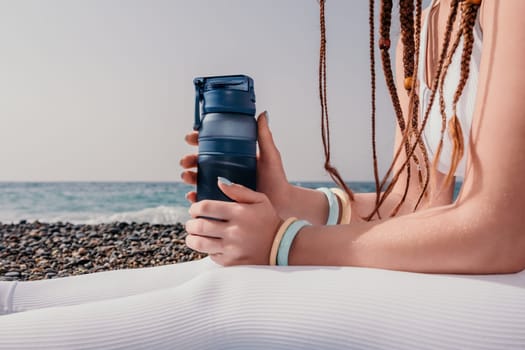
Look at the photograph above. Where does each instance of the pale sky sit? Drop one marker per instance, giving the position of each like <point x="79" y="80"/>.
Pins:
<point x="101" y="90"/>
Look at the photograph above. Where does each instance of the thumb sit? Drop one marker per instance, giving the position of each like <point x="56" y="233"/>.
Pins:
<point x="239" y="193"/>
<point x="267" y="147"/>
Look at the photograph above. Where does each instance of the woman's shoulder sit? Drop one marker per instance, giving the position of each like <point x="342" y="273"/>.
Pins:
<point x="493" y="12"/>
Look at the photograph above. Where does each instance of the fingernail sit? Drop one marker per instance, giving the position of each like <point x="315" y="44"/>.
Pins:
<point x="224" y="181"/>
<point x="267" y="115"/>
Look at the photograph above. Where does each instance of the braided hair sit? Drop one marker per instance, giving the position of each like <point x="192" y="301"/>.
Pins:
<point x="412" y="129"/>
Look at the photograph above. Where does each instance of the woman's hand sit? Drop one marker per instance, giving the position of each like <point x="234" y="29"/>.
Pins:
<point x="271" y="178"/>
<point x="241" y="232"/>
<point x="189" y="162"/>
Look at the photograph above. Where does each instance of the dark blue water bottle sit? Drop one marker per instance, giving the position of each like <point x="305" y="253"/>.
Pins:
<point x="224" y="117"/>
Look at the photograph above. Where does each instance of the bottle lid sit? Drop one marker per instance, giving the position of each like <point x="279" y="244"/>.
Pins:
<point x="223" y="94"/>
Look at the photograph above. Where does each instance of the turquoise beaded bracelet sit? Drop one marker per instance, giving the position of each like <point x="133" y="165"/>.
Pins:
<point x="286" y="241"/>
<point x="333" y="206"/>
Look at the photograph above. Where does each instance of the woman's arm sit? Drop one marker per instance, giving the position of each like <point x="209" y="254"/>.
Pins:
<point x="484" y="231"/>
<point x="446" y="239"/>
<point x="289" y="200"/>
<point x="312" y="205"/>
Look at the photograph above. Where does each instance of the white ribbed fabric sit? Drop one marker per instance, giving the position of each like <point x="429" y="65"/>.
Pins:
<point x="7" y="290"/>
<point x="249" y="307"/>
<point x="200" y="306"/>
<point x="97" y="286"/>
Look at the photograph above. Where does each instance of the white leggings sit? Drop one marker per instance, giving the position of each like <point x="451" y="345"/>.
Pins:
<point x="199" y="305"/>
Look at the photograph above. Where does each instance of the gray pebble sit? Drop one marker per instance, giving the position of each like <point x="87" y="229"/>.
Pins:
<point x="12" y="274"/>
<point x="33" y="251"/>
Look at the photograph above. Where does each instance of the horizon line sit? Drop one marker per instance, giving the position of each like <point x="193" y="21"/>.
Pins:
<point x="151" y="181"/>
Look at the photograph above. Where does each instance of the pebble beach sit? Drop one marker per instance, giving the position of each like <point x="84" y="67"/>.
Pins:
<point x="35" y="250"/>
<point x="57" y="229"/>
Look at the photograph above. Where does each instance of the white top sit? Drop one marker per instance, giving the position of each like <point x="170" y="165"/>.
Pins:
<point x="466" y="103"/>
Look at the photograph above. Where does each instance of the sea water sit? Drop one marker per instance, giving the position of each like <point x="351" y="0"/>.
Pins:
<point x="99" y="202"/>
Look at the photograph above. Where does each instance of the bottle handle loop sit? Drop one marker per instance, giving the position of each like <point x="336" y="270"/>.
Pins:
<point x="199" y="84"/>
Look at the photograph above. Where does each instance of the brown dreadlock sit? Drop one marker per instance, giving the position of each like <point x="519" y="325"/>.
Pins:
<point x="325" y="127"/>
<point x="412" y="129"/>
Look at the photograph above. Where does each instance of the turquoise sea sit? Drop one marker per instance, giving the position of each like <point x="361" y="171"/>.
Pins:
<point x="97" y="202"/>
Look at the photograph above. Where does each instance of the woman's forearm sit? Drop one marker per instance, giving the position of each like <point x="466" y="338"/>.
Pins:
<point x="305" y="203"/>
<point x="312" y="205"/>
<point x="437" y="240"/>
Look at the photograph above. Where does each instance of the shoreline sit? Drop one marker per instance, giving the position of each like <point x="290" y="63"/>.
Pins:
<point x="36" y="250"/>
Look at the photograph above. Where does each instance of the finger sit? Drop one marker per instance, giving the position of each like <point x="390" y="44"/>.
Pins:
<point x="267" y="147"/>
<point x="206" y="228"/>
<point x="192" y="138"/>
<point x="204" y="244"/>
<point x="189" y="177"/>
<point x="218" y="258"/>
<point x="238" y="192"/>
<point x="189" y="161"/>
<point x="218" y="210"/>
<point x="191" y="196"/>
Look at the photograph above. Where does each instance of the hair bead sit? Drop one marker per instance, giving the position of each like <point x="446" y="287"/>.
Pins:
<point x="410" y="16"/>
<point x="384" y="44"/>
<point x="408" y="83"/>
<point x="473" y="2"/>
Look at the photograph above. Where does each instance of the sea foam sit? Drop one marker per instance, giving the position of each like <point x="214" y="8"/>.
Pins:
<point x="159" y="215"/>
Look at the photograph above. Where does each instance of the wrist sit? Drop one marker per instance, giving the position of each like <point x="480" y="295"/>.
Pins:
<point x="286" y="205"/>
<point x="300" y="250"/>
<point x="283" y="204"/>
<point x="308" y="204"/>
<point x="283" y="240"/>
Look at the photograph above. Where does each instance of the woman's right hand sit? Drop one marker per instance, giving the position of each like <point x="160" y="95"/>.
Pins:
<point x="271" y="178"/>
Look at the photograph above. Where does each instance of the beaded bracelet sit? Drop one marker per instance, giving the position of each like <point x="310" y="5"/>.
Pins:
<point x="277" y="239"/>
<point x="346" y="208"/>
<point x="333" y="206"/>
<point x="287" y="239"/>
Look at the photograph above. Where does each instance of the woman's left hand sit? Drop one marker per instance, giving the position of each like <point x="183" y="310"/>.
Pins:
<point x="241" y="232"/>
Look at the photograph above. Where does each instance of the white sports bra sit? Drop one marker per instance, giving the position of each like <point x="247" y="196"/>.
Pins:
<point x="466" y="103"/>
